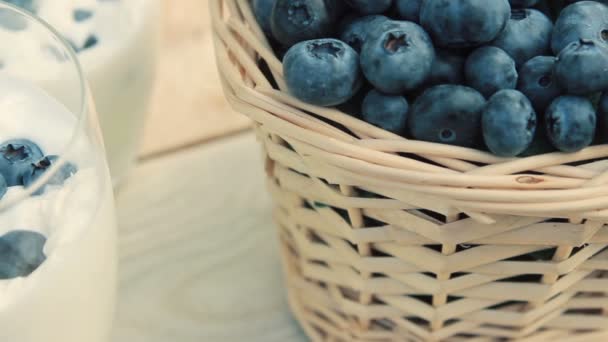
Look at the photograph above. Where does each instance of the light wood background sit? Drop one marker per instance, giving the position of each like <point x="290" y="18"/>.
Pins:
<point x="198" y="253"/>
<point x="188" y="106"/>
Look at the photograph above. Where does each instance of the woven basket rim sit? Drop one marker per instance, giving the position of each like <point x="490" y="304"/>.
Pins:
<point x="473" y="181"/>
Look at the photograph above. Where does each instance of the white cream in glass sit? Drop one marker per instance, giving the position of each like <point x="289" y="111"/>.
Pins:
<point x="116" y="42"/>
<point x="58" y="280"/>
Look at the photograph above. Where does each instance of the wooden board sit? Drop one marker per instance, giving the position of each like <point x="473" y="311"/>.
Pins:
<point x="188" y="105"/>
<point x="198" y="250"/>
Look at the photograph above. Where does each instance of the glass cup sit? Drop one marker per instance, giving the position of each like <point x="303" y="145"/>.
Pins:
<point x="117" y="44"/>
<point x="57" y="220"/>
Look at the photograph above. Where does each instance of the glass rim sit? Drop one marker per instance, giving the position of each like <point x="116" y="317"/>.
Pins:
<point x="81" y="115"/>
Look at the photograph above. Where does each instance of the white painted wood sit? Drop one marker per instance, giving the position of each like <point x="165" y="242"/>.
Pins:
<point x="198" y="250"/>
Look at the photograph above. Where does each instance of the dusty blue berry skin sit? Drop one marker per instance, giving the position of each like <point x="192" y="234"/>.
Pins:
<point x="39" y="168"/>
<point x="448" y="68"/>
<point x="489" y="69"/>
<point x="522" y="3"/>
<point x="323" y="72"/>
<point x="570" y="122"/>
<point x="294" y="21"/>
<point x="21" y="253"/>
<point x="583" y="20"/>
<point x="448" y="114"/>
<point x="527" y="34"/>
<point x="262" y="9"/>
<point x="582" y="67"/>
<point x="464" y="23"/>
<point x="16" y="156"/>
<point x="355" y="31"/>
<point x="537" y="82"/>
<point x="370" y="6"/>
<point x="388" y="112"/>
<point x="540" y="144"/>
<point x="409" y="9"/>
<point x="399" y="58"/>
<point x="508" y="123"/>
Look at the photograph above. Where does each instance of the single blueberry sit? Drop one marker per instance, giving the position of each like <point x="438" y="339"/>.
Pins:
<point x="399" y="58"/>
<point x="522" y="3"/>
<point x="537" y="82"/>
<point x="355" y="30"/>
<point x="322" y="72"/>
<point x="388" y="112"/>
<point x="409" y="9"/>
<point x="294" y="21"/>
<point x="448" y="68"/>
<point x="570" y="123"/>
<point x="508" y="123"/>
<point x="16" y="156"/>
<point x="82" y="14"/>
<point x="462" y="23"/>
<point x="370" y="6"/>
<point x="28" y="248"/>
<point x="449" y="114"/>
<point x="582" y="67"/>
<point x="489" y="69"/>
<point x="91" y="41"/>
<point x="528" y="34"/>
<point x="262" y="9"/>
<point x="40" y="167"/>
<point x="583" y="20"/>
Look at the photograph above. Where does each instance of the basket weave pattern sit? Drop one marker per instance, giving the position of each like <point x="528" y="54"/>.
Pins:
<point x="388" y="239"/>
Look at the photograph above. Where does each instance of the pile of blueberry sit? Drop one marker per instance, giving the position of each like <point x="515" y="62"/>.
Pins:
<point x="515" y="77"/>
<point x="21" y="164"/>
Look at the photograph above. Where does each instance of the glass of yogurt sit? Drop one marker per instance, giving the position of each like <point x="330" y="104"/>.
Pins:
<point x="57" y="222"/>
<point x="116" y="42"/>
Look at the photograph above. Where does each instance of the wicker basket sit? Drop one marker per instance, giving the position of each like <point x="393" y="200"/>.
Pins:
<point x="388" y="239"/>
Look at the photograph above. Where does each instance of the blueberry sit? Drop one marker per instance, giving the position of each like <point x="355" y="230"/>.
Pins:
<point x="522" y="3"/>
<point x="570" y="123"/>
<point x="399" y="58"/>
<point x="409" y="9"/>
<point x="91" y="41"/>
<point x="355" y="31"/>
<point x="537" y="82"/>
<point x="21" y="253"/>
<point x="322" y="72"/>
<point x="508" y="123"/>
<point x="528" y="34"/>
<point x="38" y="168"/>
<point x="449" y="114"/>
<point x="583" y="20"/>
<point x="461" y="23"/>
<point x="262" y="9"/>
<point x="388" y="112"/>
<point x="489" y="69"/>
<point x="582" y="67"/>
<point x="82" y="14"/>
<point x="16" y="156"/>
<point x="370" y="6"/>
<point x="28" y="5"/>
<point x="448" y="68"/>
<point x="294" y="21"/>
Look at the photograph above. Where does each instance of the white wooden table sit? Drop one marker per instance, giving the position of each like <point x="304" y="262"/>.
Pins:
<point x="198" y="253"/>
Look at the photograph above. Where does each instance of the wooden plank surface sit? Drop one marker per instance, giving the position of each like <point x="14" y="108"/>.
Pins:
<point x="198" y="256"/>
<point x="188" y="106"/>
